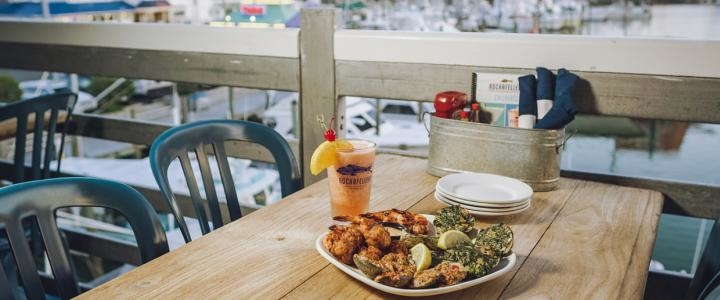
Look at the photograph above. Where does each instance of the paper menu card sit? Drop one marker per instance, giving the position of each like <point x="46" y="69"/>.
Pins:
<point x="499" y="94"/>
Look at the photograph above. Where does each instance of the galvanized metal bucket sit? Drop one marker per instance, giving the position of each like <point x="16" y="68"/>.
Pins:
<point x="530" y="155"/>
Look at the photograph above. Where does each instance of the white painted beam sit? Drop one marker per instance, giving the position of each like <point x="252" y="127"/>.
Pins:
<point x="674" y="57"/>
<point x="163" y="37"/>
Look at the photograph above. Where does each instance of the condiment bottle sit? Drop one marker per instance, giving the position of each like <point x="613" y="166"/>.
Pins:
<point x="463" y="116"/>
<point x="475" y="113"/>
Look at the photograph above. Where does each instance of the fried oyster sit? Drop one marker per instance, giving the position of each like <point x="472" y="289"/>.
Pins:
<point x="425" y="279"/>
<point x="477" y="261"/>
<point x="498" y="237"/>
<point x="392" y="269"/>
<point x="370" y="252"/>
<point x="410" y="240"/>
<point x="451" y="273"/>
<point x="445" y="273"/>
<point x="454" y="218"/>
<point x="398" y="270"/>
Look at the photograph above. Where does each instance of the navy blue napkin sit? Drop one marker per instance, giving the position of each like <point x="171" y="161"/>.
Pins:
<point x="528" y="103"/>
<point x="545" y="84"/>
<point x="563" y="110"/>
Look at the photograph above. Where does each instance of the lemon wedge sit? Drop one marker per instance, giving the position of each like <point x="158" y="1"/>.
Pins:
<point x="421" y="256"/>
<point x="325" y="155"/>
<point x="343" y="145"/>
<point x="452" y="238"/>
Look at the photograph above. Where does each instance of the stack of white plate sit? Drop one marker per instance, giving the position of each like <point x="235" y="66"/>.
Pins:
<point x="484" y="194"/>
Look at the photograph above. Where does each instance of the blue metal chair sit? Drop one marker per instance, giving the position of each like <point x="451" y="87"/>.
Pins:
<point x="40" y="199"/>
<point x="707" y="275"/>
<point x="41" y="154"/>
<point x="177" y="142"/>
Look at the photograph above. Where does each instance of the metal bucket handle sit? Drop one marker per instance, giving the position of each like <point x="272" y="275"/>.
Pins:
<point x="424" y="123"/>
<point x="567" y="138"/>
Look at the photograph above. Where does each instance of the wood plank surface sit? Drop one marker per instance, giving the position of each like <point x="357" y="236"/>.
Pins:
<point x="267" y="253"/>
<point x="597" y="244"/>
<point x="584" y="240"/>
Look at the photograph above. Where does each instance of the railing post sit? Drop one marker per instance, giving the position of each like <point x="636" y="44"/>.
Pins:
<point x="317" y="80"/>
<point x="231" y="103"/>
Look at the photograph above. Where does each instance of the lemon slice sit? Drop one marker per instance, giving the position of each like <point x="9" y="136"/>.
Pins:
<point x="343" y="145"/>
<point x="452" y="238"/>
<point x="325" y="155"/>
<point x="421" y="256"/>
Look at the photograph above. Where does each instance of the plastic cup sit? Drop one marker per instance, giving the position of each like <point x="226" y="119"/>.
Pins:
<point x="351" y="179"/>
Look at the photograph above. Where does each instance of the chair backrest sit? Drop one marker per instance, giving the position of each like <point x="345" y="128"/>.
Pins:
<point x="707" y="275"/>
<point x="36" y="108"/>
<point x="39" y="199"/>
<point x="177" y="142"/>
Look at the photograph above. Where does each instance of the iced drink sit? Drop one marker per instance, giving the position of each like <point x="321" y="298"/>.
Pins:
<point x="350" y="179"/>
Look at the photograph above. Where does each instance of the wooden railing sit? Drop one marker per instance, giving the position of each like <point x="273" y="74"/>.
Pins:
<point x="632" y="77"/>
<point x="665" y="79"/>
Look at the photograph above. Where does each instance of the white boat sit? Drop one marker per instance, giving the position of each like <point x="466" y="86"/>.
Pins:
<point x="152" y="88"/>
<point x="529" y="16"/>
<point x="35" y="88"/>
<point x="617" y="12"/>
<point x="400" y="123"/>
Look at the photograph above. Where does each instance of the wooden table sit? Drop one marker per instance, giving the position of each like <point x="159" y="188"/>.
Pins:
<point x="584" y="240"/>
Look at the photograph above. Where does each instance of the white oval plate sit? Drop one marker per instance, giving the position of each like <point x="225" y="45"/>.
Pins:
<point x="514" y="205"/>
<point x="523" y="205"/>
<point x="483" y="213"/>
<point x="506" y="263"/>
<point x="482" y="187"/>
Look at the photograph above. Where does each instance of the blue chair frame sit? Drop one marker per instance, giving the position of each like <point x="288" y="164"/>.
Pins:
<point x="40" y="169"/>
<point x="177" y="142"/>
<point x="41" y="198"/>
<point x="41" y="156"/>
<point x="707" y="274"/>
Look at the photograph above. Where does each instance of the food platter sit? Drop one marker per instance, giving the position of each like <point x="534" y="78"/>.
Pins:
<point x="506" y="263"/>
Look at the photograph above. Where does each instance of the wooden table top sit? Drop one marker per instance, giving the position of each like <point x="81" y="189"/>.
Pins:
<point x="584" y="240"/>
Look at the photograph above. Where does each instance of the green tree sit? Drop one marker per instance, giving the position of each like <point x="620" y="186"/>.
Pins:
<point x="113" y="101"/>
<point x="9" y="89"/>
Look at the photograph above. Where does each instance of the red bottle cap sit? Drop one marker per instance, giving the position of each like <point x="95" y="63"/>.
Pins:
<point x="446" y="103"/>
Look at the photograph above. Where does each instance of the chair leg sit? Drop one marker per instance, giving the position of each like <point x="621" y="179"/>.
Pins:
<point x="661" y="286"/>
<point x="11" y="271"/>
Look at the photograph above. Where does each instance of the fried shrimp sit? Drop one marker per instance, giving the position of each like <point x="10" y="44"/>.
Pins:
<point x="374" y="233"/>
<point x="415" y="223"/>
<point x="343" y="242"/>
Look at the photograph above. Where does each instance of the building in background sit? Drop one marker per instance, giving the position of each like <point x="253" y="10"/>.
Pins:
<point x="89" y="10"/>
<point x="259" y="14"/>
